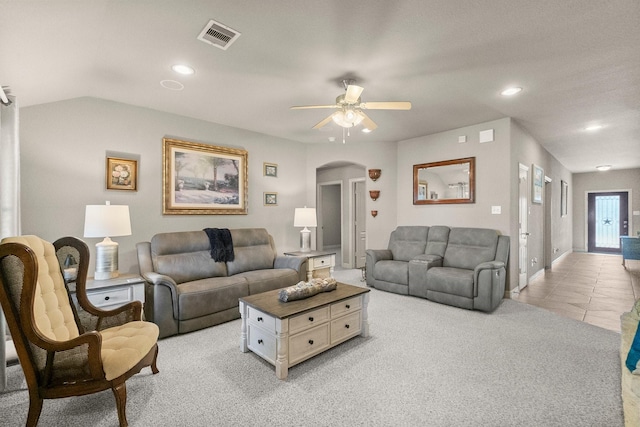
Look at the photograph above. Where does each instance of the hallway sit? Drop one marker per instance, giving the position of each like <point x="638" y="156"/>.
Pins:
<point x="592" y="288"/>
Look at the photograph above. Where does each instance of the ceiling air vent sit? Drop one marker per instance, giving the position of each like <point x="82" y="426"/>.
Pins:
<point x="218" y="35"/>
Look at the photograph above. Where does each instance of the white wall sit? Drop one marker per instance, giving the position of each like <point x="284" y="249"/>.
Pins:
<point x="64" y="145"/>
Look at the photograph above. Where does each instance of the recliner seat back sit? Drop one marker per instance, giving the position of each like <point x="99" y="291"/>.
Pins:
<point x="469" y="247"/>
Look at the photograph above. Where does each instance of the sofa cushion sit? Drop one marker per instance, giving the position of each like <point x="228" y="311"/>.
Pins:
<point x="266" y="280"/>
<point x="253" y="250"/>
<point x="469" y="247"/>
<point x="392" y="271"/>
<point x="185" y="256"/>
<point x="406" y="242"/>
<point x="456" y="281"/>
<point x="437" y="240"/>
<point x="206" y="296"/>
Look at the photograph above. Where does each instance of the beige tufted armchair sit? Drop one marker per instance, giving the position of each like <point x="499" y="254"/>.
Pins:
<point x="65" y="352"/>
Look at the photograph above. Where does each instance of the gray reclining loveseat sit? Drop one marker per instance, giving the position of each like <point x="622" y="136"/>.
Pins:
<point x="462" y="267"/>
<point x="187" y="289"/>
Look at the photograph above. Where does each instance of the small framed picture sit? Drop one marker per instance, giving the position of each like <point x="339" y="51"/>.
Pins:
<point x="270" y="169"/>
<point x="537" y="184"/>
<point x="270" y="199"/>
<point x="122" y="174"/>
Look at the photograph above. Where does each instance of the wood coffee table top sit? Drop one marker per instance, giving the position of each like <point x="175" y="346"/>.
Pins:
<point x="268" y="302"/>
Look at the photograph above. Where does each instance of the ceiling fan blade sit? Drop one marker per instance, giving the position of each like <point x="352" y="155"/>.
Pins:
<point x="367" y="123"/>
<point x="353" y="93"/>
<point x="323" y="122"/>
<point x="386" y="105"/>
<point x="307" y="107"/>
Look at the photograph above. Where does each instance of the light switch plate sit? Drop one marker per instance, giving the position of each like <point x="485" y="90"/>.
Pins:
<point x="496" y="210"/>
<point x="462" y="138"/>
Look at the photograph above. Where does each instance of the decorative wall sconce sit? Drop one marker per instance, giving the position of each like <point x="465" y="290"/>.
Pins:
<point x="374" y="194"/>
<point x="374" y="213"/>
<point x="374" y="174"/>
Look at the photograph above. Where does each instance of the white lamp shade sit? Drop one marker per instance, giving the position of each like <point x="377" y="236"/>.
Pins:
<point x="107" y="221"/>
<point x="305" y="217"/>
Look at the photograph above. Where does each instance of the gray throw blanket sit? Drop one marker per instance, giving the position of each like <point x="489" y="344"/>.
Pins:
<point x="221" y="244"/>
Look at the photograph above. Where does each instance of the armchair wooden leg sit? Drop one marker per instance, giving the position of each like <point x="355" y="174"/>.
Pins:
<point x="154" y="367"/>
<point x="35" y="408"/>
<point x="120" y="393"/>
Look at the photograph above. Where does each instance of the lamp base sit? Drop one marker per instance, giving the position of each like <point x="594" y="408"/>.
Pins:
<point x="305" y="240"/>
<point x="106" y="260"/>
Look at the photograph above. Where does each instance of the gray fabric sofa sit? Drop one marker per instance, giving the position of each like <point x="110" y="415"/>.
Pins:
<point x="187" y="290"/>
<point x="462" y="267"/>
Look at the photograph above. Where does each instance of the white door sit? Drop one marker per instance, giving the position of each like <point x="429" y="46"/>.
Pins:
<point x="360" y="236"/>
<point x="523" y="232"/>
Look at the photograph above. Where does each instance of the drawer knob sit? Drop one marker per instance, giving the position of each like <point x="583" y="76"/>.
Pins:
<point x="310" y="319"/>
<point x="260" y="319"/>
<point x="348" y="306"/>
<point x="260" y="341"/>
<point x="322" y="262"/>
<point x="311" y="342"/>
<point x="106" y="298"/>
<point x="346" y="326"/>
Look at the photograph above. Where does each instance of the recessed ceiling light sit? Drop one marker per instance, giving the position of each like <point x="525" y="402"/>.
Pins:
<point x="171" y="85"/>
<point x="593" y="127"/>
<point x="183" y="69"/>
<point x="603" y="167"/>
<point x="510" y="91"/>
<point x="366" y="130"/>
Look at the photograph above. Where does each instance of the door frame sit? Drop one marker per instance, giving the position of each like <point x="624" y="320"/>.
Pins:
<point x="629" y="192"/>
<point x="319" y="229"/>
<point x="523" y="190"/>
<point x="352" y="221"/>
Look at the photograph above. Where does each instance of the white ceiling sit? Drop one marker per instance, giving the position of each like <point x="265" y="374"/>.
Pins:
<point x="577" y="60"/>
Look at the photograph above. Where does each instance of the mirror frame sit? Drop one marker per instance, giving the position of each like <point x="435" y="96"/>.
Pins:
<point x="472" y="181"/>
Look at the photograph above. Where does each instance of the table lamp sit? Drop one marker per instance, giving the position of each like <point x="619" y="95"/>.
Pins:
<point x="106" y="221"/>
<point x="305" y="217"/>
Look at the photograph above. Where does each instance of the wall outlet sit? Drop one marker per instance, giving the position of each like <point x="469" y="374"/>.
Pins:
<point x="496" y="210"/>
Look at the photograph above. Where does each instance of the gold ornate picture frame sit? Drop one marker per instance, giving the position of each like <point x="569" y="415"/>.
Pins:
<point x="121" y="174"/>
<point x="203" y="179"/>
<point x="270" y="199"/>
<point x="270" y="169"/>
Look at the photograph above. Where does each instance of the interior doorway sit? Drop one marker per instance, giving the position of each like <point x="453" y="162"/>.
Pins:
<point x="329" y="232"/>
<point x="607" y="220"/>
<point x="523" y="224"/>
<point x="359" y="221"/>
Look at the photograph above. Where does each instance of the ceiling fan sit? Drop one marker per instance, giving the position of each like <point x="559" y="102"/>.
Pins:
<point x="349" y="108"/>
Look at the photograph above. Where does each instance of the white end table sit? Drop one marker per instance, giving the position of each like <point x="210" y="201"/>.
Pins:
<point x="321" y="263"/>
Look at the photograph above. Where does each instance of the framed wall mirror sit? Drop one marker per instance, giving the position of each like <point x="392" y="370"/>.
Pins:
<point x="448" y="181"/>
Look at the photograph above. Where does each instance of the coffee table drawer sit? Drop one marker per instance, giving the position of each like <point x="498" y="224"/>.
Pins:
<point x="346" y="327"/>
<point x="308" y="343"/>
<point x="264" y="320"/>
<point x="308" y="320"/>
<point x="346" y="306"/>
<point x="262" y="343"/>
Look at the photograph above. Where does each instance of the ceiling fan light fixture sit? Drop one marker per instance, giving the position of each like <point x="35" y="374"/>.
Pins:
<point x="347" y="118"/>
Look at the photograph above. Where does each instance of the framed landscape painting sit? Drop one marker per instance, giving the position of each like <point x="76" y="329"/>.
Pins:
<point x="203" y="179"/>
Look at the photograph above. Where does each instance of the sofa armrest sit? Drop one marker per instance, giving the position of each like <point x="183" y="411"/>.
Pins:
<point x="297" y="263"/>
<point x="375" y="255"/>
<point x="489" y="280"/>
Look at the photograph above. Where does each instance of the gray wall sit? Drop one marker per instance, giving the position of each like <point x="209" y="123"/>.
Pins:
<point x="527" y="151"/>
<point x="612" y="180"/>
<point x="493" y="181"/>
<point x="64" y="145"/>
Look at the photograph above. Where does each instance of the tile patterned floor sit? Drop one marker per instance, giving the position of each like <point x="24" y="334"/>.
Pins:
<point x="592" y="288"/>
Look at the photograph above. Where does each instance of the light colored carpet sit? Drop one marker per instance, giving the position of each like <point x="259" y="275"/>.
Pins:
<point x="424" y="364"/>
